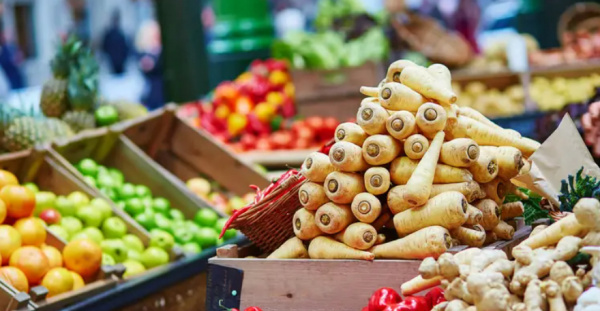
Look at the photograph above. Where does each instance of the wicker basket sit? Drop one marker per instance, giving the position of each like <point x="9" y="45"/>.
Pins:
<point x="427" y="36"/>
<point x="268" y="222"/>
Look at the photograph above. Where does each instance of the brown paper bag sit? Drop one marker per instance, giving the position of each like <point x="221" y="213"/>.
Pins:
<point x="561" y="155"/>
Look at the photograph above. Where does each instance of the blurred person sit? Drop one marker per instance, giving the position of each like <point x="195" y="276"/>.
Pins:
<point x="114" y="44"/>
<point x="149" y="49"/>
<point x="10" y="57"/>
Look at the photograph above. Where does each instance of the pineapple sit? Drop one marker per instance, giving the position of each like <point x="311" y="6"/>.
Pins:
<point x="79" y="120"/>
<point x="57" y="128"/>
<point x="54" y="101"/>
<point x="82" y="88"/>
<point x="24" y="133"/>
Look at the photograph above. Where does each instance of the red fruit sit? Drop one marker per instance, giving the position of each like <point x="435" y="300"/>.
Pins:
<point x="316" y="123"/>
<point x="50" y="216"/>
<point x="226" y="92"/>
<point x="281" y="139"/>
<point x="248" y="141"/>
<point x="288" y="109"/>
<point x="329" y="126"/>
<point x="302" y="143"/>
<point x="383" y="298"/>
<point x="243" y="105"/>
<point x="264" y="144"/>
<point x="275" y="64"/>
<point x="253" y="309"/>
<point x="305" y="132"/>
<point x="259" y="68"/>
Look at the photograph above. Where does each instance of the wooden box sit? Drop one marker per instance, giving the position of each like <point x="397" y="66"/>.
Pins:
<point x="186" y="152"/>
<point x="334" y="93"/>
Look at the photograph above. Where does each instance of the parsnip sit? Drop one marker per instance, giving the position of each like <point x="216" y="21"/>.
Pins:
<point x="512" y="210"/>
<point x="430" y="119"/>
<point x="316" y="167"/>
<point x="442" y="74"/>
<point x="290" y="249"/>
<point x="395" y="69"/>
<point x="350" y="132"/>
<point x="358" y="235"/>
<point x="485" y="169"/>
<point x="377" y="180"/>
<point x="509" y="160"/>
<point x="347" y="157"/>
<point x="401" y="124"/>
<point x="312" y="195"/>
<point x="491" y="213"/>
<point x="420" y="80"/>
<point x="402" y="168"/>
<point x="395" y="96"/>
<point x="304" y="225"/>
<point x="415" y="146"/>
<point x="332" y="218"/>
<point x="428" y="242"/>
<point x="396" y="201"/>
<point x="366" y="207"/>
<point x="470" y="190"/>
<point x="419" y="184"/>
<point x="468" y="236"/>
<point x="380" y="149"/>
<point x="556" y="231"/>
<point x="474" y="216"/>
<point x="459" y="152"/>
<point x="343" y="187"/>
<point x="371" y="117"/>
<point x="418" y="284"/>
<point x="504" y="231"/>
<point x="496" y="190"/>
<point x="328" y="248"/>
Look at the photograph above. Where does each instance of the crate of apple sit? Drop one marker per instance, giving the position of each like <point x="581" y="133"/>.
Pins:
<point x="213" y="194"/>
<point x="29" y="256"/>
<point x="167" y="225"/>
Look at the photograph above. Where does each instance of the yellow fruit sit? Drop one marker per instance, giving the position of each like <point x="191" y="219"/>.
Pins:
<point x="15" y="277"/>
<point x="32" y="231"/>
<point x="54" y="256"/>
<point x="77" y="280"/>
<point x="58" y="281"/>
<point x="83" y="256"/>
<point x="32" y="261"/>
<point x="199" y="186"/>
<point x="2" y="211"/>
<point x="10" y="240"/>
<point x="7" y="178"/>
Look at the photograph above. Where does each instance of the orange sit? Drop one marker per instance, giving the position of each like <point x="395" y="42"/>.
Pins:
<point x="20" y="201"/>
<point x="32" y="231"/>
<point x="54" y="256"/>
<point x="83" y="256"/>
<point x="15" y="277"/>
<point x="32" y="261"/>
<point x="58" y="281"/>
<point x="10" y="240"/>
<point x="2" y="211"/>
<point x="77" y="280"/>
<point x="7" y="178"/>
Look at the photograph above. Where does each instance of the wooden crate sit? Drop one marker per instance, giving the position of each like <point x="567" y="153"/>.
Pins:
<point x="310" y="284"/>
<point x="11" y="299"/>
<point x="334" y="93"/>
<point x="186" y="152"/>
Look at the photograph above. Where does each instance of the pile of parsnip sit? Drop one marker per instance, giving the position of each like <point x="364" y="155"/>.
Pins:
<point x="538" y="279"/>
<point x="415" y="162"/>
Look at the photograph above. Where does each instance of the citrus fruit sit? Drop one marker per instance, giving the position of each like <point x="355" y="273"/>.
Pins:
<point x="77" y="280"/>
<point x="2" y="211"/>
<point x="32" y="231"/>
<point x="20" y="201"/>
<point x="58" y="281"/>
<point x="83" y="256"/>
<point x="15" y="277"/>
<point x="7" y="178"/>
<point x="53" y="254"/>
<point x="10" y="240"/>
<point x="32" y="261"/>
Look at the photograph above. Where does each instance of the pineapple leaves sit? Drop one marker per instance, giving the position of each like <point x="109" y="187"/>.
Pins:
<point x="575" y="188"/>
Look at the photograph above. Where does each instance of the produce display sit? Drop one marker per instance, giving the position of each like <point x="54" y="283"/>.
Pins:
<point x="578" y="47"/>
<point x="552" y="269"/>
<point x="217" y="197"/>
<point x="26" y="259"/>
<point x="387" y="299"/>
<point x="555" y="93"/>
<point x="434" y="173"/>
<point x="494" y="58"/>
<point x="167" y="225"/>
<point x="490" y="101"/>
<point x="255" y="104"/>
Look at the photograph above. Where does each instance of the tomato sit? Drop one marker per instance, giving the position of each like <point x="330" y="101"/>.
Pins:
<point x="278" y="78"/>
<point x="316" y="123"/>
<point x="222" y="112"/>
<point x="275" y="98"/>
<point x="264" y="143"/>
<point x="281" y="140"/>
<point x="253" y="309"/>
<point x="236" y="123"/>
<point x="243" y="105"/>
<point x="264" y="112"/>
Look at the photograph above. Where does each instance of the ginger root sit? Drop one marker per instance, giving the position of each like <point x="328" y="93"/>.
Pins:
<point x="456" y="305"/>
<point x="571" y="289"/>
<point x="554" y="296"/>
<point x="533" y="299"/>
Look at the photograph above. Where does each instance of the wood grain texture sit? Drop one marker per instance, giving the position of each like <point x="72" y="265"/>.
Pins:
<point x="316" y="284"/>
<point x="188" y="295"/>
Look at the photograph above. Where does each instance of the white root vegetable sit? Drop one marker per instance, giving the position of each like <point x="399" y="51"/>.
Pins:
<point x="431" y="118"/>
<point x="533" y="298"/>
<point x="401" y="124"/>
<point x="428" y="242"/>
<point x="552" y="234"/>
<point x="459" y="152"/>
<point x="415" y="146"/>
<point x="503" y="230"/>
<point x="396" y="201"/>
<point x="290" y="249"/>
<point x="485" y="169"/>
<point x="304" y="225"/>
<point x="377" y="180"/>
<point x="470" y="237"/>
<point x="366" y="207"/>
<point x="350" y="132"/>
<point x="328" y="248"/>
<point x="474" y="216"/>
<point x="395" y="96"/>
<point x="491" y="213"/>
<point x="496" y="190"/>
<point x="312" y="195"/>
<point x="419" y="184"/>
<point x="395" y="69"/>
<point x="332" y="218"/>
<point x="316" y="167"/>
<point x="371" y="117"/>
<point x="358" y="235"/>
<point x="420" y="80"/>
<point x="380" y="149"/>
<point x="512" y="210"/>
<point x="554" y="296"/>
<point x="347" y="157"/>
<point x="343" y="187"/>
<point x="587" y="212"/>
<point x="470" y="190"/>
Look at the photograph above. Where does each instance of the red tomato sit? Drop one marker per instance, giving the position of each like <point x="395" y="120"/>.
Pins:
<point x="305" y="132"/>
<point x="264" y="143"/>
<point x="243" y="105"/>
<point x="281" y="139"/>
<point x="248" y="141"/>
<point x="329" y="126"/>
<point x="253" y="309"/>
<point x="302" y="143"/>
<point x="316" y="123"/>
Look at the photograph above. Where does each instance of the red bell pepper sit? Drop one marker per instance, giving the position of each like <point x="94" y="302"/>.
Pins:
<point x="435" y="296"/>
<point x="417" y="303"/>
<point x="382" y="298"/>
<point x="253" y="309"/>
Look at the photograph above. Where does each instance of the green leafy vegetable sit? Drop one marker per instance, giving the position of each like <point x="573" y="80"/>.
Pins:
<point x="533" y="211"/>
<point x="575" y="188"/>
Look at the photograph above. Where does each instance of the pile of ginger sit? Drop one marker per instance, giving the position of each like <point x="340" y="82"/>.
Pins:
<point x="539" y="277"/>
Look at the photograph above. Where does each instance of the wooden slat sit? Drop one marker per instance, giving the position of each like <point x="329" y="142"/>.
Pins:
<point x="316" y="284"/>
<point x="278" y="158"/>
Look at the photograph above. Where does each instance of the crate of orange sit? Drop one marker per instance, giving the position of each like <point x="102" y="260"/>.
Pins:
<point x="38" y="267"/>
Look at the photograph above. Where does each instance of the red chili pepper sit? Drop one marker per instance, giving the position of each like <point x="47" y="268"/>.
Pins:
<point x="383" y="297"/>
<point x="435" y="296"/>
<point x="417" y="303"/>
<point x="253" y="309"/>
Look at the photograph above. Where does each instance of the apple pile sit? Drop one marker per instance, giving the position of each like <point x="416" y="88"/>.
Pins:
<point x="27" y="261"/>
<point x="166" y="225"/>
<point x="75" y="217"/>
<point x="213" y="194"/>
<point x="256" y="102"/>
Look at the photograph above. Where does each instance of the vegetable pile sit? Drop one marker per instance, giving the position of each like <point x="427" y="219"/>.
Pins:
<point x="414" y="162"/>
<point x="387" y="299"/>
<point x="545" y="274"/>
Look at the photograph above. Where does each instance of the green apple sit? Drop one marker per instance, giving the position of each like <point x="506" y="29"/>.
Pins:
<point x="133" y="242"/>
<point x="116" y="248"/>
<point x="65" y="206"/>
<point x="191" y="226"/>
<point x="134" y="206"/>
<point x="71" y="224"/>
<point x="134" y="255"/>
<point x="146" y="219"/>
<point x="206" y="217"/>
<point x="59" y="232"/>
<point x="133" y="267"/>
<point x="31" y="186"/>
<point x="88" y="167"/>
<point x="206" y="237"/>
<point x="103" y="206"/>
<point x="154" y="256"/>
<point x="108" y="260"/>
<point x="110" y="193"/>
<point x="114" y="228"/>
<point x="79" y="199"/>
<point x="147" y="201"/>
<point x="90" y="216"/>
<point x="183" y="235"/>
<point x="44" y="200"/>
<point x="90" y="181"/>
<point x="191" y="248"/>
<point x="126" y="191"/>
<point x="162" y="239"/>
<point x="176" y="214"/>
<point x="91" y="233"/>
<point x="117" y="176"/>
<point x="104" y="180"/>
<point x="121" y="204"/>
<point x="142" y="191"/>
<point x="161" y="205"/>
<point x="230" y="233"/>
<point x="162" y="222"/>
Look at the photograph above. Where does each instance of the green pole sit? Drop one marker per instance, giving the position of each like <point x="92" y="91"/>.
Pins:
<point x="183" y="49"/>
